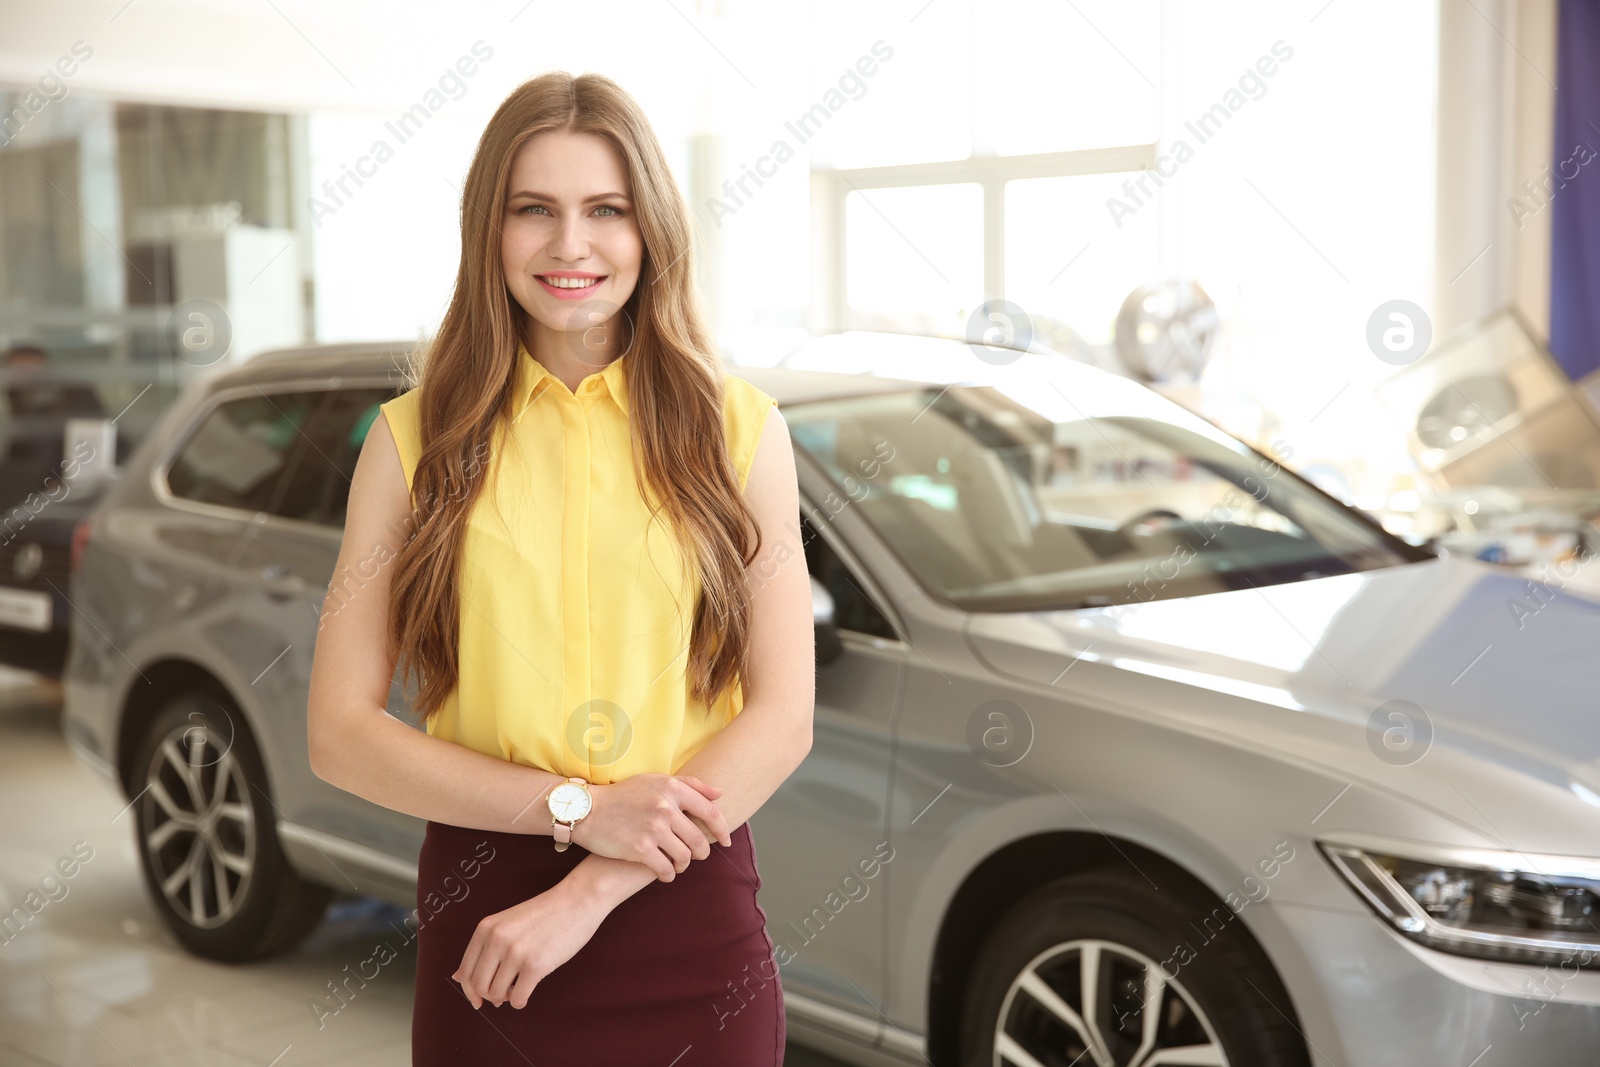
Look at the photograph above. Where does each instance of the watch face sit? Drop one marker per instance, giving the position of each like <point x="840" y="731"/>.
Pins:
<point x="570" y="801"/>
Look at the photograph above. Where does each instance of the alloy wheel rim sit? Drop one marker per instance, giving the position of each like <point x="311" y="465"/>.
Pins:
<point x="1096" y="1003"/>
<point x="197" y="826"/>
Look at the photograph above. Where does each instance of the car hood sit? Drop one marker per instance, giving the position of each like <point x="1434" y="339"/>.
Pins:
<point x="1494" y="668"/>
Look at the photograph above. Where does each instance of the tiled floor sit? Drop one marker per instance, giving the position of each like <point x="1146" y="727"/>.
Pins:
<point x="94" y="978"/>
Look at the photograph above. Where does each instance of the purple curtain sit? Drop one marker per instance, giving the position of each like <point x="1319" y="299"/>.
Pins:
<point x="1572" y="191"/>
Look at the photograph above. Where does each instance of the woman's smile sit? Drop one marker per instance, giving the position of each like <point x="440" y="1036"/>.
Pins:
<point x="570" y="285"/>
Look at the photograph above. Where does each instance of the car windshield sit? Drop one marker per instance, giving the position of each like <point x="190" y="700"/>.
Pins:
<point x="1021" y="498"/>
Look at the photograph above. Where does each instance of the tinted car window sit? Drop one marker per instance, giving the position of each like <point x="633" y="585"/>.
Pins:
<point x="852" y="609"/>
<point x="320" y="484"/>
<point x="240" y="453"/>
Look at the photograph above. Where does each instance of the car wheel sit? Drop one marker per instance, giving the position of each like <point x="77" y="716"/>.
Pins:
<point x="1090" y="971"/>
<point x="207" y="838"/>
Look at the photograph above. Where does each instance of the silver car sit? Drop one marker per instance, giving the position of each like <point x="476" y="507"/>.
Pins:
<point x="1131" y="746"/>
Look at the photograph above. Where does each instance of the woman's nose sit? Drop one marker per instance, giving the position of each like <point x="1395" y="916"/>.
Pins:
<point x="571" y="241"/>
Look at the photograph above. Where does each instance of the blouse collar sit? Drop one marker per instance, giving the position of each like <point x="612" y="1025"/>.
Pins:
<point x="532" y="377"/>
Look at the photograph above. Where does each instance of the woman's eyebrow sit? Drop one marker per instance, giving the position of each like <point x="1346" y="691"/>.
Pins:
<point x="546" y="196"/>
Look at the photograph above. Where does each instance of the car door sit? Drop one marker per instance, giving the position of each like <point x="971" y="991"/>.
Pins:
<point x="821" y="838"/>
<point x="291" y="561"/>
<point x="223" y="482"/>
<point x="919" y="488"/>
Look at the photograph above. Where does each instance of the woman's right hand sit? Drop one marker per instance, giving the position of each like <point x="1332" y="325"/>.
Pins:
<point x="651" y="819"/>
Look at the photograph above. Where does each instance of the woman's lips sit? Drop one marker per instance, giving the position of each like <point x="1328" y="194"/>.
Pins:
<point x="570" y="294"/>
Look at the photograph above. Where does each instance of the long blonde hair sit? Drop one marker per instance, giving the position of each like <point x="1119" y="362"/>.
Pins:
<point x="674" y="383"/>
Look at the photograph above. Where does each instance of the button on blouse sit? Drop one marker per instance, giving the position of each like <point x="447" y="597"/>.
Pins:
<point x="576" y="606"/>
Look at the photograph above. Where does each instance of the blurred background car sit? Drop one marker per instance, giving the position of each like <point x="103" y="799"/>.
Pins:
<point x="50" y="479"/>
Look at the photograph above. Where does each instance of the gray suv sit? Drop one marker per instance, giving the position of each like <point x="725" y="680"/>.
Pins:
<point x="1131" y="746"/>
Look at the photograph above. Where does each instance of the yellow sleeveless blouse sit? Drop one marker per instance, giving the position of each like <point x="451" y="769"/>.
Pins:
<point x="576" y="607"/>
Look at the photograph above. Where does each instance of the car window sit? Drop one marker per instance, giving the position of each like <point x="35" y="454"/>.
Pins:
<point x="1017" y="500"/>
<point x="328" y="457"/>
<point x="239" y="455"/>
<point x="852" y="608"/>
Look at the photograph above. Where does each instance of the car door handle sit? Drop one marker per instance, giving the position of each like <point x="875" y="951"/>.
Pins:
<point x="282" y="582"/>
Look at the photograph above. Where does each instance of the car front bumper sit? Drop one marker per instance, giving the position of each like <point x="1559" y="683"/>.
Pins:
<point x="1369" y="996"/>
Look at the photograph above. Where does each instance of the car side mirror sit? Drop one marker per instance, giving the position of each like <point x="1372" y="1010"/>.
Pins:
<point x="829" y="647"/>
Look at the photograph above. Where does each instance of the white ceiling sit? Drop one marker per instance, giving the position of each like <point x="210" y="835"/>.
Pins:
<point x="356" y="55"/>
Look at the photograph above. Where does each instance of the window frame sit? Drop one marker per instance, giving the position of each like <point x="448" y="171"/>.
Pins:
<point x="830" y="186"/>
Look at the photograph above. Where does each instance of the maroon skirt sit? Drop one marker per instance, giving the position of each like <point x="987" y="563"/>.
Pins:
<point x="681" y="974"/>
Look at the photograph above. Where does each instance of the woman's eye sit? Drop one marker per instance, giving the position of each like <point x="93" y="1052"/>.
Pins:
<point x="603" y="207"/>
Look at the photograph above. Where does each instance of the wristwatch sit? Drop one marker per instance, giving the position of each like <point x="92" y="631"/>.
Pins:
<point x="569" y="802"/>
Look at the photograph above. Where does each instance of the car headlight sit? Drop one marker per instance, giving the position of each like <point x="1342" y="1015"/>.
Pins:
<point x="1477" y="902"/>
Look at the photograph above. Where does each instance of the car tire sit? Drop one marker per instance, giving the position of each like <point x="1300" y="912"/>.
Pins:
<point x="1025" y="998"/>
<point x="207" y="840"/>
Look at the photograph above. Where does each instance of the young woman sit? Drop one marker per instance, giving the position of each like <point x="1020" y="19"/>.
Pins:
<point x="551" y="530"/>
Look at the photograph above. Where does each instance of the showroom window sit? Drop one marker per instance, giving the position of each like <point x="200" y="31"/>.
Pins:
<point x="914" y="234"/>
<point x="913" y="254"/>
<point x="145" y="243"/>
<point x="1060" y="262"/>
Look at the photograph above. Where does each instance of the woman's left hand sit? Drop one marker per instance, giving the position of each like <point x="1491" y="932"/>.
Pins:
<point x="513" y="950"/>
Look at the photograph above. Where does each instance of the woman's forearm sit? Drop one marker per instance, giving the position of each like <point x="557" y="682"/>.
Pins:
<point x="749" y="758"/>
<point x="396" y="766"/>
